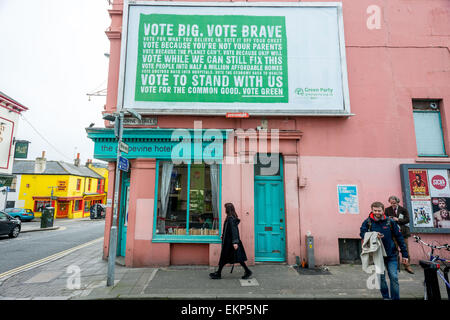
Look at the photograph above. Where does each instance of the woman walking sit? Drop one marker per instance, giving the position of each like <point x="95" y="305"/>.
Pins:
<point x="232" y="248"/>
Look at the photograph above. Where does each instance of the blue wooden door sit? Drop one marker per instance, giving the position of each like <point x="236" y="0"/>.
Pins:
<point x="124" y="205"/>
<point x="270" y="244"/>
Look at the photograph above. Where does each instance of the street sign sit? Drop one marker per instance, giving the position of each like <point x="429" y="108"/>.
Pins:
<point x="123" y="164"/>
<point x="21" y="149"/>
<point x="124" y="147"/>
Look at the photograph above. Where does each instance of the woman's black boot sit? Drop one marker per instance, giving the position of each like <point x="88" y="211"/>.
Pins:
<point x="215" y="275"/>
<point x="247" y="274"/>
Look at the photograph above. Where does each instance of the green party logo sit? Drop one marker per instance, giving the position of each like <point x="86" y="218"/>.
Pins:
<point x="314" y="93"/>
<point x="299" y="91"/>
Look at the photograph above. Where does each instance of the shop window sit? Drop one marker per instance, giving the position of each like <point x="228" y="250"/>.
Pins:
<point x="86" y="206"/>
<point x="10" y="204"/>
<point x="428" y="128"/>
<point x="78" y="184"/>
<point x="40" y="205"/>
<point x="188" y="199"/>
<point x="77" y="205"/>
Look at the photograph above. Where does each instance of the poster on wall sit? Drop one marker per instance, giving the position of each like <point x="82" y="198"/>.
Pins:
<point x="348" y="199"/>
<point x="220" y="58"/>
<point x="438" y="183"/>
<point x="422" y="214"/>
<point x="441" y="215"/>
<point x="418" y="182"/>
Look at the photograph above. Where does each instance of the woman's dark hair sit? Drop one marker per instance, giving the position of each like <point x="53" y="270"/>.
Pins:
<point x="229" y="209"/>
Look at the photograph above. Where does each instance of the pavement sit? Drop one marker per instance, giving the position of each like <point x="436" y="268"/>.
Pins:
<point x="80" y="274"/>
<point x="35" y="224"/>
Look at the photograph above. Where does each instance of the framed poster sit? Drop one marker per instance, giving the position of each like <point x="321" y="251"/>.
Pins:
<point x="438" y="183"/>
<point x="441" y="213"/>
<point x="422" y="214"/>
<point x="418" y="184"/>
<point x="426" y="195"/>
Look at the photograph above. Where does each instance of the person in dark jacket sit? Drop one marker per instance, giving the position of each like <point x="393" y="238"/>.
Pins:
<point x="232" y="248"/>
<point x="400" y="215"/>
<point x="388" y="230"/>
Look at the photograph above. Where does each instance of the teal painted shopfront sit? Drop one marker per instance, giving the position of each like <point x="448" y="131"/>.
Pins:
<point x="171" y="200"/>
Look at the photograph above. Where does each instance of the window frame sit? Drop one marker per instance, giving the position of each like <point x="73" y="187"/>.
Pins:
<point x="422" y="155"/>
<point x="75" y="205"/>
<point x="185" y="238"/>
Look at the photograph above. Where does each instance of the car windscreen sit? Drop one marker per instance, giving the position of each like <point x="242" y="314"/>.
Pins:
<point x="12" y="210"/>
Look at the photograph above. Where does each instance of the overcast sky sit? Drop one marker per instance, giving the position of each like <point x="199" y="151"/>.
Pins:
<point x="51" y="56"/>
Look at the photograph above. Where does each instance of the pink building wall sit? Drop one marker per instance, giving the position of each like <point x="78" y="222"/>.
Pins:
<point x="406" y="58"/>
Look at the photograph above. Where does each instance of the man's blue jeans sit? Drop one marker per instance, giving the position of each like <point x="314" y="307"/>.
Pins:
<point x="391" y="265"/>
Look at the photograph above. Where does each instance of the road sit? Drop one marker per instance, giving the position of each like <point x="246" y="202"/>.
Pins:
<point x="33" y="246"/>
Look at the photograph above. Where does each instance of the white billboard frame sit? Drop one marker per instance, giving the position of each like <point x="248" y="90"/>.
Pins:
<point x="222" y="111"/>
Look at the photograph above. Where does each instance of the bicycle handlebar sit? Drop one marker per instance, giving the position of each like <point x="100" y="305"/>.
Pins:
<point x="445" y="246"/>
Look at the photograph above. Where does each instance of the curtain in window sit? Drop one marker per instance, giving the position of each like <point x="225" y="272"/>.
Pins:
<point x="167" y="168"/>
<point x="214" y="173"/>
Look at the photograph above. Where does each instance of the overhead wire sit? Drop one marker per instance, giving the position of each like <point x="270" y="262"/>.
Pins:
<point x="45" y="139"/>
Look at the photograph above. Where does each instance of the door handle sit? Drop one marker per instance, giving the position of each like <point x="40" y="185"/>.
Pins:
<point x="281" y="228"/>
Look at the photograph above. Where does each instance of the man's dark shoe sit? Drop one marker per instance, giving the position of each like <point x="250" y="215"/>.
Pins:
<point x="215" y="275"/>
<point x="247" y="275"/>
<point x="409" y="270"/>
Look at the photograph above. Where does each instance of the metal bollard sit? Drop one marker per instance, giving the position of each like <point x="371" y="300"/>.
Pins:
<point x="310" y="251"/>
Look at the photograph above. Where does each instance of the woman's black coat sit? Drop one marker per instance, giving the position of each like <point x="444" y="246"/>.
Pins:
<point x="230" y="236"/>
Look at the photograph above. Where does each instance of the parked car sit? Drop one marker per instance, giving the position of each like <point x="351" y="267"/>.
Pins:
<point x="22" y="214"/>
<point x="97" y="211"/>
<point x="9" y="226"/>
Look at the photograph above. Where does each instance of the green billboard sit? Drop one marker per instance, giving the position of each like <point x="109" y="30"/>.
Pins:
<point x="211" y="58"/>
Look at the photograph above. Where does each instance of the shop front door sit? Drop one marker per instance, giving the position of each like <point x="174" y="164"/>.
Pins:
<point x="63" y="209"/>
<point x="123" y="225"/>
<point x="269" y="219"/>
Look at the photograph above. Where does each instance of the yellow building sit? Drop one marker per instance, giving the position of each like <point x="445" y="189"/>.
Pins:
<point x="70" y="188"/>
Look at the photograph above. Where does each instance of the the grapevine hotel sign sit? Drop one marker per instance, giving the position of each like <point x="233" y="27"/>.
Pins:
<point x="214" y="58"/>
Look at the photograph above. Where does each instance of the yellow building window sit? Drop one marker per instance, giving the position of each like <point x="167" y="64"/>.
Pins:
<point x="77" y="205"/>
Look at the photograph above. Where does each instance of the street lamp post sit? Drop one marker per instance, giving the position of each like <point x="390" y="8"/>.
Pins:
<point x="113" y="232"/>
<point x="118" y="126"/>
